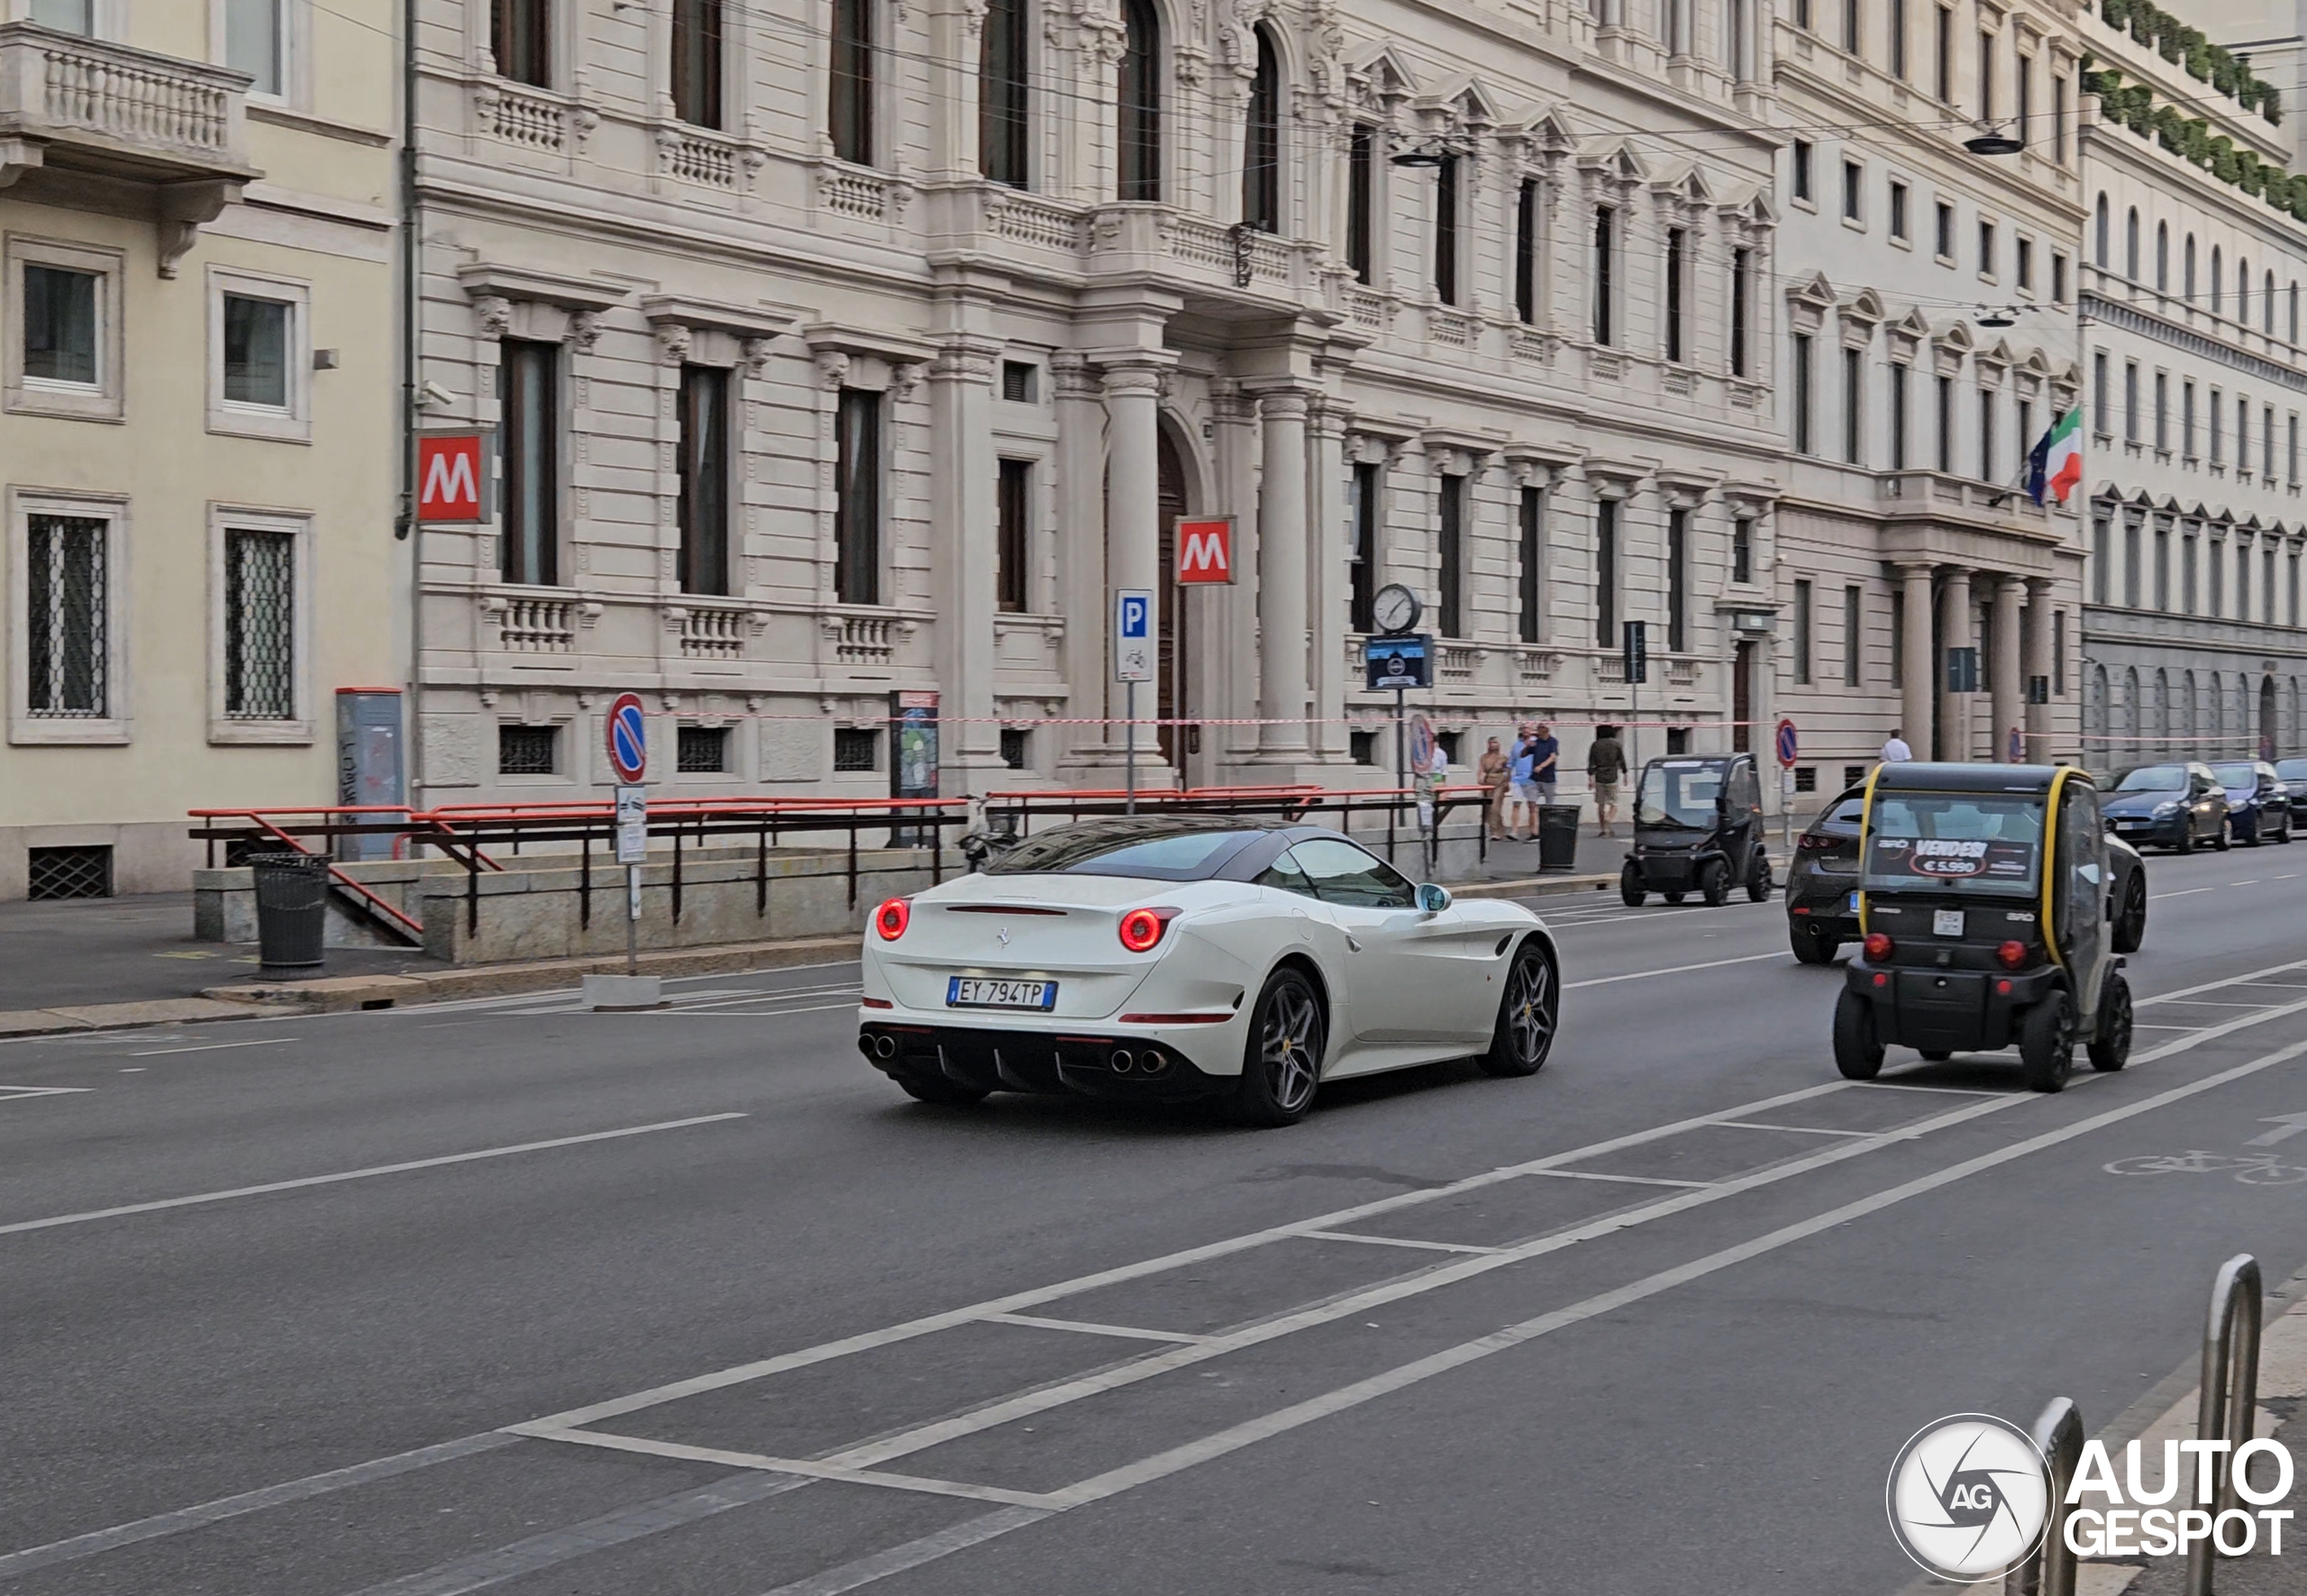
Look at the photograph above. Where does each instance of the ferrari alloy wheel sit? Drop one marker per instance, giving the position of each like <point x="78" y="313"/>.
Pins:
<point x="1526" y="1016"/>
<point x="1282" y="1063"/>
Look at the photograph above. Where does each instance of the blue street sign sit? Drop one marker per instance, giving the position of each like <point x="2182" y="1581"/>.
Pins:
<point x="628" y="740"/>
<point x="1397" y="664"/>
<point x="1133" y="634"/>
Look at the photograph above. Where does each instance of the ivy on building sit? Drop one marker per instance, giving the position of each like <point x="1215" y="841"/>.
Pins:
<point x="2191" y="137"/>
<point x="2182" y="46"/>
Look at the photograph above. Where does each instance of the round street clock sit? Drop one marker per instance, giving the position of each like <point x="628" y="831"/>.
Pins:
<point x="1396" y="609"/>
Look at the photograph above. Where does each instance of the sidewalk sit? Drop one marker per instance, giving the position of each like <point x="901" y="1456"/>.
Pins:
<point x="133" y="952"/>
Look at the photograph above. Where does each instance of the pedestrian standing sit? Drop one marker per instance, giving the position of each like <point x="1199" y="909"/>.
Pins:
<point x="1895" y="751"/>
<point x="1518" y="766"/>
<point x="1606" y="768"/>
<point x="1546" y="763"/>
<point x="1495" y="774"/>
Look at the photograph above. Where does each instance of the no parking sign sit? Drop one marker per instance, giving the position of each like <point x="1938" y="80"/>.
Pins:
<point x="1789" y="745"/>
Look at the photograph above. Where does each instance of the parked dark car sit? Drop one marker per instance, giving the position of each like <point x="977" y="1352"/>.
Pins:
<point x="2293" y="771"/>
<point x="2126" y="895"/>
<point x="2258" y="800"/>
<point x="1698" y="827"/>
<point x="1822" y="880"/>
<point x="2172" y="805"/>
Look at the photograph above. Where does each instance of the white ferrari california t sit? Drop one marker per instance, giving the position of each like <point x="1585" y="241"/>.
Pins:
<point x="1193" y="956"/>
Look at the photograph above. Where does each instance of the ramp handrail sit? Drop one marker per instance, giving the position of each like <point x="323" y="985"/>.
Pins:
<point x="262" y="819"/>
<point x="2228" y="1407"/>
<point x="2050" y="1571"/>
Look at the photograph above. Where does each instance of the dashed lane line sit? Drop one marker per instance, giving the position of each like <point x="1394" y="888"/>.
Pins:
<point x="371" y="1172"/>
<point x="1781" y="954"/>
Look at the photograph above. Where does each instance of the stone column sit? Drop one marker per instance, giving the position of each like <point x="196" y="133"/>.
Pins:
<point x="1080" y="485"/>
<point x="2038" y="663"/>
<point x="962" y="513"/>
<point x="1326" y="553"/>
<point x="2010" y="678"/>
<point x="1133" y="390"/>
<point x="1960" y="629"/>
<point x="1282" y="679"/>
<point x="1919" y="660"/>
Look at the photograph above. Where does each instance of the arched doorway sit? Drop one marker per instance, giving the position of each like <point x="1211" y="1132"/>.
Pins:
<point x="1172" y="695"/>
<point x="2267" y="737"/>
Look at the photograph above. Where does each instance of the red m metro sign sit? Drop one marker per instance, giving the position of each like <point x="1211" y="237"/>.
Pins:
<point x="1205" y="551"/>
<point x="450" y="469"/>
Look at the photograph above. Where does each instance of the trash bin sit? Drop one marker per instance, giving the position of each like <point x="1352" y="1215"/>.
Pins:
<point x="291" y="909"/>
<point x="1558" y="836"/>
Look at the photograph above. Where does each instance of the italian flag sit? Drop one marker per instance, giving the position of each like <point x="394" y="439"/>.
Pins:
<point x="2055" y="464"/>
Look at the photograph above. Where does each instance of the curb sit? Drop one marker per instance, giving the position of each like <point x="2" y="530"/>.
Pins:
<point x="1535" y="887"/>
<point x="112" y="1016"/>
<point x="340" y="994"/>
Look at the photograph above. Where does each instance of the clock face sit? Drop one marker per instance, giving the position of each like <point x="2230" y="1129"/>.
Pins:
<point x="1395" y="609"/>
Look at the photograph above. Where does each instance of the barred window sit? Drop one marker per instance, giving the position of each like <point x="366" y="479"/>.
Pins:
<point x="702" y="750"/>
<point x="527" y="751"/>
<point x="65" y="600"/>
<point x="260" y="626"/>
<point x="854" y="748"/>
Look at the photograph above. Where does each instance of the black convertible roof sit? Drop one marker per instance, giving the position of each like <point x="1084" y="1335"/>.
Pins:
<point x="1977" y="778"/>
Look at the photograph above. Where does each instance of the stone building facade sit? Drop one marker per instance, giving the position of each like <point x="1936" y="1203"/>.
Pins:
<point x="2197" y="380"/>
<point x="197" y="420"/>
<point x="1929" y="296"/>
<point x="848" y="348"/>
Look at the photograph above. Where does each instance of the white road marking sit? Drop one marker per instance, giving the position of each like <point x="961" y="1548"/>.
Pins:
<point x="40" y="1091"/>
<point x="1397" y="1240"/>
<point x="156" y="1052"/>
<point x="2190" y="892"/>
<point x="360" y="1174"/>
<point x="13" y="1564"/>
<point x="1603" y="980"/>
<point x="1620" y="1179"/>
<point x="913" y="1554"/>
<point x="1084" y="1328"/>
<point x="1799" y="1130"/>
<point x="1176" y="1459"/>
<point x="803" y="1468"/>
<point x="2252" y="882"/>
<point x="2248" y="978"/>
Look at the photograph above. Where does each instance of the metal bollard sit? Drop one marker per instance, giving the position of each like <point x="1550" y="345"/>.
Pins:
<point x="2050" y="1571"/>
<point x="2229" y="1408"/>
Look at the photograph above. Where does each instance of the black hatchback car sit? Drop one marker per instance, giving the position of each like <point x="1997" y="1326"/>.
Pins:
<point x="2175" y="805"/>
<point x="1822" y="880"/>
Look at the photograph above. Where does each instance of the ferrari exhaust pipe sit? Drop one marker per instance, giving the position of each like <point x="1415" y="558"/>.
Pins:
<point x="1152" y="1063"/>
<point x="865" y="1045"/>
<point x="885" y="1047"/>
<point x="1122" y="1061"/>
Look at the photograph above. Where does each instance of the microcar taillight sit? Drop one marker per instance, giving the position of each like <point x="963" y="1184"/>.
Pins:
<point x="1878" y="946"/>
<point x="2012" y="954"/>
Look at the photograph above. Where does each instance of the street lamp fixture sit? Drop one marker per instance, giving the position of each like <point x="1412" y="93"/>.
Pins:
<point x="1998" y="316"/>
<point x="1431" y="153"/>
<point x="1991" y="139"/>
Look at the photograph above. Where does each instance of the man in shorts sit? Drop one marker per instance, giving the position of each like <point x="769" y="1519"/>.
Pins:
<point x="1606" y="768"/>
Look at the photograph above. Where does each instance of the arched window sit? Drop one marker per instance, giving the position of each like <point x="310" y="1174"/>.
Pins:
<point x="2130" y="245"/>
<point x="2162" y="257"/>
<point x="1004" y="126"/>
<point x="2190" y="279"/>
<point x="2217" y="282"/>
<point x="1138" y="104"/>
<point x="1261" y="141"/>
<point x="2102" y="243"/>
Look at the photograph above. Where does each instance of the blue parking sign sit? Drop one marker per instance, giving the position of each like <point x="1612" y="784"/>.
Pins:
<point x="1134" y="635"/>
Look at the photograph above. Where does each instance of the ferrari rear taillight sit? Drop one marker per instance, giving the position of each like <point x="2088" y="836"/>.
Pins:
<point x="1141" y="929"/>
<point x="892" y="918"/>
<point x="1878" y="946"/>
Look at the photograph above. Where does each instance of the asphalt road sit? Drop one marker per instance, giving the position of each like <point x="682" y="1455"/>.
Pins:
<point x="510" y="1297"/>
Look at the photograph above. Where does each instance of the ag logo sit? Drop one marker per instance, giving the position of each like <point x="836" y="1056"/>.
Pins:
<point x="1969" y="1497"/>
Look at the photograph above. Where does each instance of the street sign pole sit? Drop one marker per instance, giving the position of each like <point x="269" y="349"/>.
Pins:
<point x="1129" y="756"/>
<point x="1134" y="658"/>
<point x="626" y="741"/>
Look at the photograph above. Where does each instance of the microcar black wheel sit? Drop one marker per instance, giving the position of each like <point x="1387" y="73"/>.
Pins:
<point x="1714" y="883"/>
<point x="2130" y="924"/>
<point x="1758" y="880"/>
<point x="1282" y="1062"/>
<point x="1857" y="1053"/>
<point x="2046" y="1042"/>
<point x="1527" y="1015"/>
<point x="2110" y="1049"/>
<point x="1630" y="886"/>
<point x="1811" y="946"/>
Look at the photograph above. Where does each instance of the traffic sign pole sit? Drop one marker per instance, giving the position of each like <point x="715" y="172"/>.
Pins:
<point x="626" y="734"/>
<point x="1789" y="745"/>
<point x="1129" y="752"/>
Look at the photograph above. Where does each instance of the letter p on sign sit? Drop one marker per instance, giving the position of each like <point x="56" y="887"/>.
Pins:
<point x="450" y="471"/>
<point x="1206" y="551"/>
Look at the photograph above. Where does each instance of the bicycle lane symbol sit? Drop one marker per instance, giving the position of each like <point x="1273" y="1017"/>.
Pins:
<point x="2250" y="1169"/>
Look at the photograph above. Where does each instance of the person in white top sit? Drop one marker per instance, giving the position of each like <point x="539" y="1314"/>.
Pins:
<point x="1895" y="751"/>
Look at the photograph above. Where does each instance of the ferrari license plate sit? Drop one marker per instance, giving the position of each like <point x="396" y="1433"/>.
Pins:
<point x="1946" y="922"/>
<point x="971" y="992"/>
